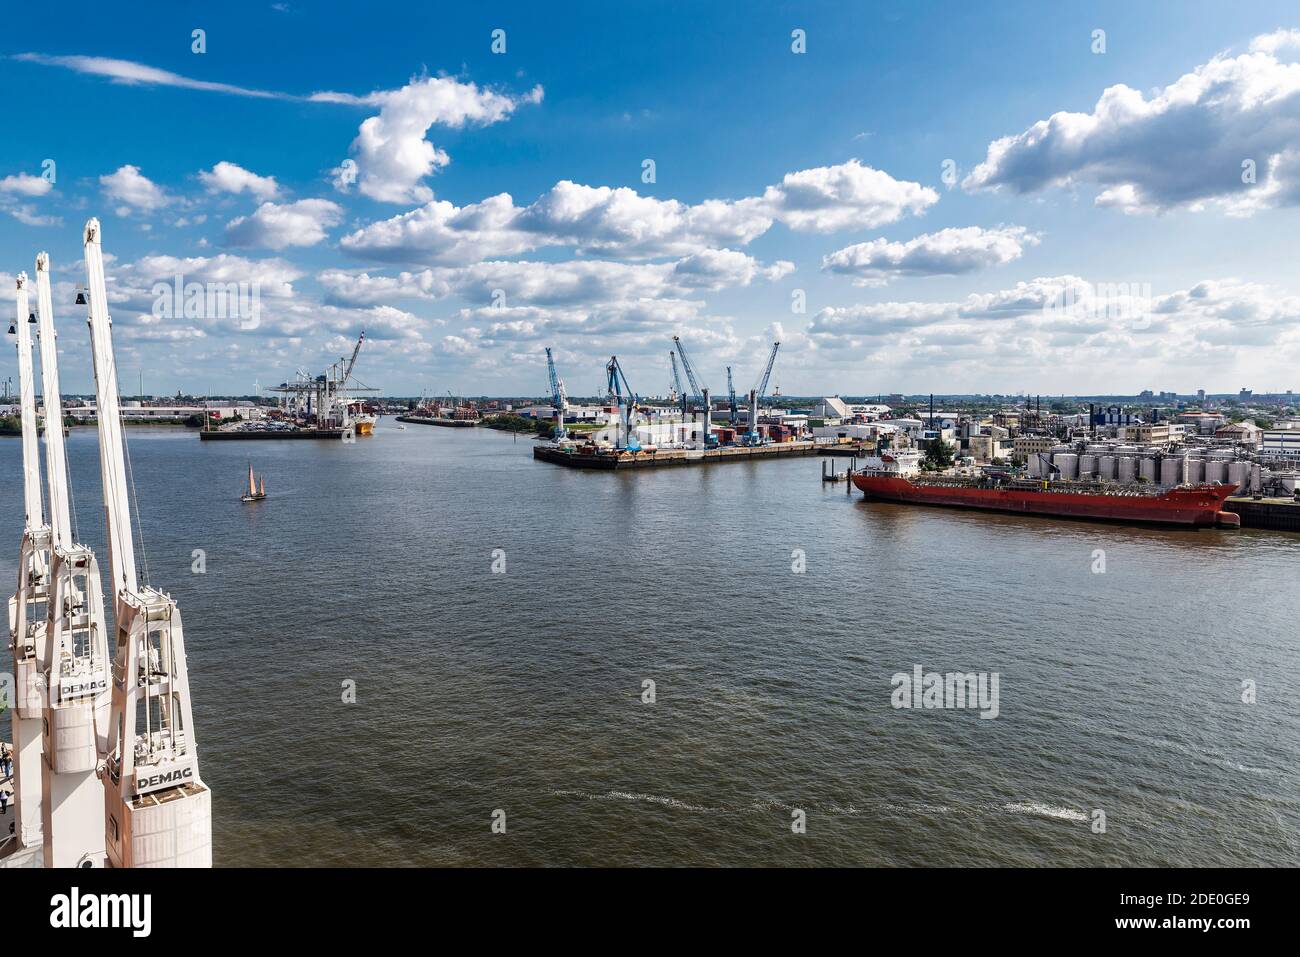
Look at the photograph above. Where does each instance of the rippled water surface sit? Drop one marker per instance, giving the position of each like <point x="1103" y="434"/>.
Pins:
<point x="521" y="691"/>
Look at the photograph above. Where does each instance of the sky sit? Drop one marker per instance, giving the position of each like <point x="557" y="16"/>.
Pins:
<point x="910" y="196"/>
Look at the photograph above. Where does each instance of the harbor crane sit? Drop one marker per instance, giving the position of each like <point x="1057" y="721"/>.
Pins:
<point x="157" y="812"/>
<point x="756" y="396"/>
<point x="74" y="729"/>
<point x="559" y="398"/>
<point x="626" y="401"/>
<point x="679" y="394"/>
<point x="27" y="608"/>
<point x="731" y="399"/>
<point x="700" y="392"/>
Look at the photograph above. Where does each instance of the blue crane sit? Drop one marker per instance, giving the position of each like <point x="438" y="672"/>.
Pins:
<point x="677" y="382"/>
<point x="697" y="388"/>
<point x="731" y="397"/>
<point x="626" y="401"/>
<point x="558" y="397"/>
<point x="756" y="396"/>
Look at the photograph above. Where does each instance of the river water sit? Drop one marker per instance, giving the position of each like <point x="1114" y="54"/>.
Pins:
<point x="770" y="611"/>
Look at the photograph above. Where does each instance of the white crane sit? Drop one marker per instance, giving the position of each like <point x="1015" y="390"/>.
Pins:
<point x="158" y="811"/>
<point x="75" y="726"/>
<point x="27" y="609"/>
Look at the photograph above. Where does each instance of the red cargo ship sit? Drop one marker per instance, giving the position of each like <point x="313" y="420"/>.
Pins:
<point x="1196" y="505"/>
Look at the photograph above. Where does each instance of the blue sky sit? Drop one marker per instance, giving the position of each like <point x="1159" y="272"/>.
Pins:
<point x="1111" y="247"/>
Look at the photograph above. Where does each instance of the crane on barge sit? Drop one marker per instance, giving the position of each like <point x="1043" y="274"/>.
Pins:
<point x="76" y="705"/>
<point x="157" y="810"/>
<point x="27" y="608"/>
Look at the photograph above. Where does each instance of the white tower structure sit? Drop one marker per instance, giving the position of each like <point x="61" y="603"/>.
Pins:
<point x="27" y="609"/>
<point x="76" y="688"/>
<point x="158" y="812"/>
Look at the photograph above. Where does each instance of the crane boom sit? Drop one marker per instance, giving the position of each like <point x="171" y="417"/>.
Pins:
<point x="697" y="388"/>
<point x="347" y="372"/>
<point x="756" y="396"/>
<point x="626" y="400"/>
<point x="33" y="503"/>
<point x="731" y="397"/>
<point x="158" y="811"/>
<point x="558" y="397"/>
<point x="761" y="387"/>
<point x="56" y="461"/>
<point x="678" y="392"/>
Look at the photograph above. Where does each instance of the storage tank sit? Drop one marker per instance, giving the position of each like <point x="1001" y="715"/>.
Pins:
<point x="1171" y="470"/>
<point x="1128" y="469"/>
<point x="1035" y="466"/>
<point x="1195" y="470"/>
<point x="1106" y="467"/>
<point x="1147" y="469"/>
<point x="1068" y="463"/>
<point x="1216" y="470"/>
<point x="1239" y="475"/>
<point x="1087" y="465"/>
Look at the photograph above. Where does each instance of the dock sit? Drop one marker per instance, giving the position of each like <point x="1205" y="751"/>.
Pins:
<point x="445" y="423"/>
<point x="268" y="434"/>
<point x="1279" y="514"/>
<point x="664" y="458"/>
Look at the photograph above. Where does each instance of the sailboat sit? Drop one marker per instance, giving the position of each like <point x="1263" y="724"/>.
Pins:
<point x="256" y="492"/>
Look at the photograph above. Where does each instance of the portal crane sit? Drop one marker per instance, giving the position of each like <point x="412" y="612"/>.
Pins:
<point x="158" y="810"/>
<point x="679" y="394"/>
<point x="756" y="396"/>
<point x="559" y="398"/>
<point x="76" y="707"/>
<point x="731" y="399"/>
<point x="27" y="608"/>
<point x="626" y="401"/>
<point x="700" y="391"/>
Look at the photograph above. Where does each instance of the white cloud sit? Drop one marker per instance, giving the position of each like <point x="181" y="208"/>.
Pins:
<point x="276" y="226"/>
<point x="135" y="191"/>
<point x="391" y="151"/>
<point x="127" y="72"/>
<point x="24" y="184"/>
<point x="847" y="196"/>
<point x="948" y="252"/>
<point x="1182" y="147"/>
<point x="229" y="178"/>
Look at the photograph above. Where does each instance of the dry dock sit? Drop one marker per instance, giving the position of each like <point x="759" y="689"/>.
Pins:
<point x="1280" y="514"/>
<point x="668" y="457"/>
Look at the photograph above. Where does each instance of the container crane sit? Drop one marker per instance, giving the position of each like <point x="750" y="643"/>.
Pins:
<point x="27" y="608"/>
<point x="158" y="812"/>
<point x="76" y="698"/>
<point x="626" y="401"/>
<point x="700" y="392"/>
<point x="756" y="396"/>
<point x="731" y="399"/>
<point x="559" y="398"/>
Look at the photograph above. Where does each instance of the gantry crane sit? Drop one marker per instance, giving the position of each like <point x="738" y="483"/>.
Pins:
<point x="700" y="391"/>
<point x="756" y="396"/>
<point x="27" y="609"/>
<point x="559" y="398"/>
<point x="626" y="401"/>
<point x="76" y="712"/>
<point x="158" y="811"/>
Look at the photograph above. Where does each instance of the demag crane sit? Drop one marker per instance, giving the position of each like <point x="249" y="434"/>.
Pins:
<point x="626" y="401"/>
<point x="559" y="398"/>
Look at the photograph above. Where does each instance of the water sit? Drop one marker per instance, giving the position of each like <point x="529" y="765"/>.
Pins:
<point x="522" y="691"/>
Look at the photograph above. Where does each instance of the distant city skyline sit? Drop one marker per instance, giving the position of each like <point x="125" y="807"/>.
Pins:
<point x="911" y="197"/>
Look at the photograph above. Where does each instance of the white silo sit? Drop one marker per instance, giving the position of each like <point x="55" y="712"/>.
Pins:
<point x="1216" y="471"/>
<point x="1087" y="465"/>
<point x="1171" y="470"/>
<point x="1106" y="467"/>
<point x="1147" y="469"/>
<point x="1239" y="475"/>
<point x="1195" y="470"/>
<point x="1068" y="463"/>
<point x="1128" y="469"/>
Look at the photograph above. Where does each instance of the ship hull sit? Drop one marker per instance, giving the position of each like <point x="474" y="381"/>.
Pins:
<point x="1198" y="506"/>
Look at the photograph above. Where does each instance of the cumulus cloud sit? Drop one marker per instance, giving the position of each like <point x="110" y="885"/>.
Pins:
<point x="949" y="252"/>
<point x="24" y="184"/>
<point x="135" y="191"/>
<point x="229" y="178"/>
<point x="1190" y="143"/>
<point x="619" y="222"/>
<point x="277" y="226"/>
<point x="848" y="196"/>
<point x="392" y="154"/>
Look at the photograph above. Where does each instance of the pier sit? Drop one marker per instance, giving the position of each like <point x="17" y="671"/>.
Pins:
<point x="664" y="458"/>
<point x="1279" y="514"/>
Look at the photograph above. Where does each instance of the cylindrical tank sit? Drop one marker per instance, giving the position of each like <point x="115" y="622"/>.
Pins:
<point x="1128" y="469"/>
<point x="1147" y="469"/>
<point x="1106" y="467"/>
<point x="1216" y="470"/>
<point x="1035" y="465"/>
<point x="1195" y="471"/>
<point x="1171" y="470"/>
<point x="1068" y="463"/>
<point x="1239" y="475"/>
<point x="1087" y="465"/>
